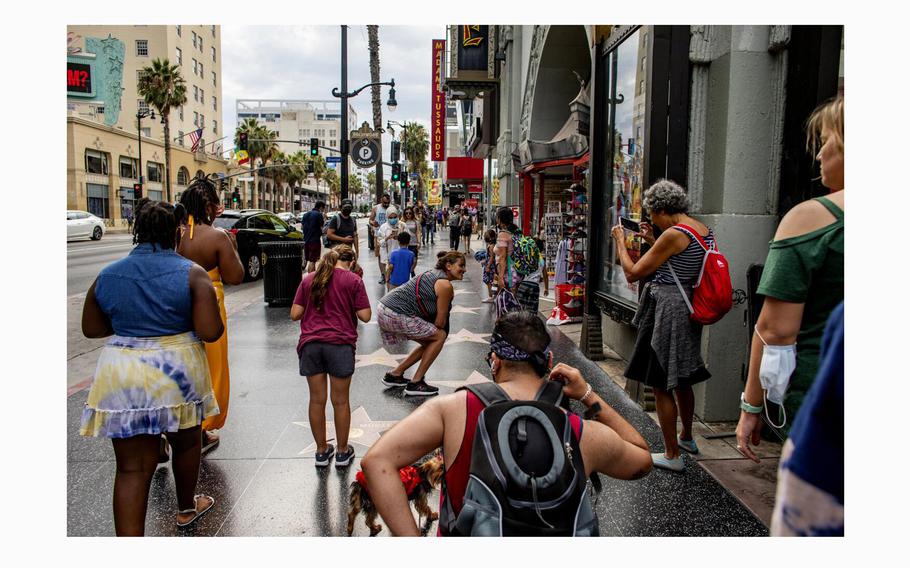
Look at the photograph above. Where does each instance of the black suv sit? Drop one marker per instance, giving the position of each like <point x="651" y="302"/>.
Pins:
<point x="251" y="227"/>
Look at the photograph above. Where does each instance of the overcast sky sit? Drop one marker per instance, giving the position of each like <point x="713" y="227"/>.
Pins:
<point x="304" y="62"/>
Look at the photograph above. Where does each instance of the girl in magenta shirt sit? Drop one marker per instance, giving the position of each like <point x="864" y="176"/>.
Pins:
<point x="328" y="304"/>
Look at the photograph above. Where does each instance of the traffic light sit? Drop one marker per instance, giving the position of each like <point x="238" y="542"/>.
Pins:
<point x="396" y="171"/>
<point x="396" y="151"/>
<point x="242" y="141"/>
<point x="235" y="198"/>
<point x="405" y="179"/>
<point x="314" y="146"/>
<point x="137" y="191"/>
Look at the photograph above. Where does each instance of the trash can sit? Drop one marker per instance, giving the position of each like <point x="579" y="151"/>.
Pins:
<point x="282" y="265"/>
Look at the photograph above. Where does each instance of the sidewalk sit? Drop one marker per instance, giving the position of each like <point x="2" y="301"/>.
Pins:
<point x="263" y="477"/>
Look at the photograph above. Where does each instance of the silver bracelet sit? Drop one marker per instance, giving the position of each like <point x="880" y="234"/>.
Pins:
<point x="588" y="392"/>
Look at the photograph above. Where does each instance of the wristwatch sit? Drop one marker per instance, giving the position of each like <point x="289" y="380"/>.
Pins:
<point x="746" y="407"/>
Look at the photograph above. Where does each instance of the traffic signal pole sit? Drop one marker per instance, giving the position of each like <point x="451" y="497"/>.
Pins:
<point x="344" y="112"/>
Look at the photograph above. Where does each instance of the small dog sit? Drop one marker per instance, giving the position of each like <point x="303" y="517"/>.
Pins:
<point x="419" y="481"/>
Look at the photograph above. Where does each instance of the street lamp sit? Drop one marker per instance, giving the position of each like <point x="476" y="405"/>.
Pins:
<point x="344" y="96"/>
<point x="140" y="114"/>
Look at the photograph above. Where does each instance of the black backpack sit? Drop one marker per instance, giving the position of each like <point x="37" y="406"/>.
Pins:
<point x="527" y="477"/>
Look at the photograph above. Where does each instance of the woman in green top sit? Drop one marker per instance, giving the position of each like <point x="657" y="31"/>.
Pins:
<point x="803" y="281"/>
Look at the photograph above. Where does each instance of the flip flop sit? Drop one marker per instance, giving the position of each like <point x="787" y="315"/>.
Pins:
<point x="197" y="512"/>
<point x="210" y="441"/>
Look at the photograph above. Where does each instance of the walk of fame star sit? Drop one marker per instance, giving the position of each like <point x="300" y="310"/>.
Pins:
<point x="380" y="357"/>
<point x="463" y="310"/>
<point x="465" y="335"/>
<point x="472" y="379"/>
<point x="364" y="431"/>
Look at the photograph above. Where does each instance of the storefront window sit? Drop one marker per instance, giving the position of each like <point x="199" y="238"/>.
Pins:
<point x="98" y="200"/>
<point x="627" y="86"/>
<point x="154" y="171"/>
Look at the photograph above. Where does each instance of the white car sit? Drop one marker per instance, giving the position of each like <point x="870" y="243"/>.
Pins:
<point x="83" y="224"/>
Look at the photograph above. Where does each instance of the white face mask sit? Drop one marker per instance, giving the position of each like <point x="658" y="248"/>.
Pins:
<point x="777" y="364"/>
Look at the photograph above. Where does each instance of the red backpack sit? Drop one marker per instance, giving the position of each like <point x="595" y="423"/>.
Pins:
<point x="713" y="294"/>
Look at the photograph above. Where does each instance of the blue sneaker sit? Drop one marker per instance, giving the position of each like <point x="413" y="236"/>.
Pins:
<point x="323" y="458"/>
<point x="344" y="459"/>
<point x="687" y="445"/>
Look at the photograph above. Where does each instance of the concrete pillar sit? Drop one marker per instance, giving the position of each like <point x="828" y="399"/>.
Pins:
<point x="736" y="122"/>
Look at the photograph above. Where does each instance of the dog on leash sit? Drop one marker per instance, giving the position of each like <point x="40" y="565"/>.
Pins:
<point x="419" y="481"/>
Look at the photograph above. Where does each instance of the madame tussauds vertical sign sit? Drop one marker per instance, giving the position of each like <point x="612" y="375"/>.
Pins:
<point x="438" y="112"/>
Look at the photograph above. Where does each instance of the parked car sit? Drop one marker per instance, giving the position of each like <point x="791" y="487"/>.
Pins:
<point x="84" y="224"/>
<point x="288" y="217"/>
<point x="251" y="227"/>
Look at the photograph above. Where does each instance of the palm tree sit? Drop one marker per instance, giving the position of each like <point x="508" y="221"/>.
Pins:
<point x="319" y="169"/>
<point x="416" y="142"/>
<point x="163" y="88"/>
<point x="280" y="173"/>
<point x="296" y="171"/>
<point x="373" y="43"/>
<point x="261" y="146"/>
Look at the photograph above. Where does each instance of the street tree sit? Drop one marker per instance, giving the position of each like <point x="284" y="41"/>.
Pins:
<point x="416" y="142"/>
<point x="373" y="45"/>
<point x="163" y="88"/>
<point x="258" y="147"/>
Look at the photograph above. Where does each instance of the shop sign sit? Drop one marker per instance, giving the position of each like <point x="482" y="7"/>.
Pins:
<point x="79" y="79"/>
<point x="438" y="108"/>
<point x="434" y="192"/>
<point x="475" y="188"/>
<point x="471" y="203"/>
<point x="495" y="198"/>
<point x="473" y="48"/>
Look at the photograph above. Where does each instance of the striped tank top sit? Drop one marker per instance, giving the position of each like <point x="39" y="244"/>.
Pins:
<point x="403" y="300"/>
<point x="687" y="264"/>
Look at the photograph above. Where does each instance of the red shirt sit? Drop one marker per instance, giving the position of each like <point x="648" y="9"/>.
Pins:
<point x="336" y="321"/>
<point x="457" y="475"/>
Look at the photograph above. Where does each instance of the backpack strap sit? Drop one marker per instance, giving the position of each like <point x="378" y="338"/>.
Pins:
<point x="694" y="234"/>
<point x="488" y="393"/>
<point x="679" y="285"/>
<point x="550" y="391"/>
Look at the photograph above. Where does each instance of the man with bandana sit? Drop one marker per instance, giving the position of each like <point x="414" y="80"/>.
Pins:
<point x="519" y="358"/>
<point x="342" y="228"/>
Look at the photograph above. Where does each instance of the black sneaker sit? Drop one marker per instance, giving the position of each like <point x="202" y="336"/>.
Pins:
<point x="420" y="388"/>
<point x="344" y="459"/>
<point x="323" y="458"/>
<point x="391" y="380"/>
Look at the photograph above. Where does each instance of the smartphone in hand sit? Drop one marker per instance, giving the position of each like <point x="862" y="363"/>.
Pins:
<point x="630" y="225"/>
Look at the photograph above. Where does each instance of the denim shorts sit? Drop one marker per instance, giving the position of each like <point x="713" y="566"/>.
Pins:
<point x="317" y="358"/>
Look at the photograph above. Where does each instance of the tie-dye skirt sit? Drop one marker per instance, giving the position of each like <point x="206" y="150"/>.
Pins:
<point x="149" y="385"/>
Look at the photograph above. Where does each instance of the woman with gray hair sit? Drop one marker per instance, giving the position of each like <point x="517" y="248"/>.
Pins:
<point x="667" y="354"/>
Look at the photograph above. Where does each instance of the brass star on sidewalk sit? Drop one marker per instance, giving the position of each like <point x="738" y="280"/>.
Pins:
<point x="380" y="357"/>
<point x="364" y="431"/>
<point x="465" y="335"/>
<point x="463" y="310"/>
<point x="472" y="379"/>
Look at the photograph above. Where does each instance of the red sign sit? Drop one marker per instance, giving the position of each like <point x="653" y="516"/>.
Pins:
<point x="475" y="188"/>
<point x="472" y="203"/>
<point x="438" y="109"/>
<point x="78" y="78"/>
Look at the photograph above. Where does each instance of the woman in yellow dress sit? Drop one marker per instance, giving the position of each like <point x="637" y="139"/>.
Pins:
<point x="216" y="251"/>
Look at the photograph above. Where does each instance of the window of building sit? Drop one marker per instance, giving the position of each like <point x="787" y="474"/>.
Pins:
<point x="180" y="135"/>
<point x="195" y="118"/>
<point x="200" y="44"/>
<point x="643" y="62"/>
<point x="195" y="67"/>
<point x="129" y="167"/>
<point x="213" y="55"/>
<point x="139" y="74"/>
<point x="147" y="132"/>
<point x="98" y="200"/>
<point x="194" y="39"/>
<point x="213" y="31"/>
<point x="179" y="56"/>
<point x="178" y="30"/>
<point x="201" y="96"/>
<point x="99" y="109"/>
<point x="180" y="112"/>
<point x="201" y="121"/>
<point x="154" y="171"/>
<point x="195" y="93"/>
<point x="214" y="80"/>
<point x="142" y="48"/>
<point x="142" y="105"/>
<point x="332" y="132"/>
<point x="215" y="127"/>
<point x="201" y="70"/>
<point x="332" y="143"/>
<point x="183" y="176"/>
<point x="214" y="103"/>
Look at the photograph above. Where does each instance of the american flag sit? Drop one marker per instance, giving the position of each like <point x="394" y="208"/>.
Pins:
<point x="195" y="137"/>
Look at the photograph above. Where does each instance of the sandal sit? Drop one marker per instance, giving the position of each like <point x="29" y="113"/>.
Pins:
<point x="196" y="512"/>
<point x="210" y="441"/>
<point x="687" y="445"/>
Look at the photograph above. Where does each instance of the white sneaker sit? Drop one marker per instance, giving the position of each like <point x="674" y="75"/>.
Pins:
<point x="487" y="301"/>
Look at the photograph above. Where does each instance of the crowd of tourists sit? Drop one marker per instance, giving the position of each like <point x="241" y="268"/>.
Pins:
<point x="161" y="389"/>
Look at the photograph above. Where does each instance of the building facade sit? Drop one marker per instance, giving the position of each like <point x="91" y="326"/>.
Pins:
<point x="104" y="132"/>
<point x="719" y="109"/>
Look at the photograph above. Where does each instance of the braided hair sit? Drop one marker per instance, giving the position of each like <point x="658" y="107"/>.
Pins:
<point x="156" y="222"/>
<point x="196" y="198"/>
